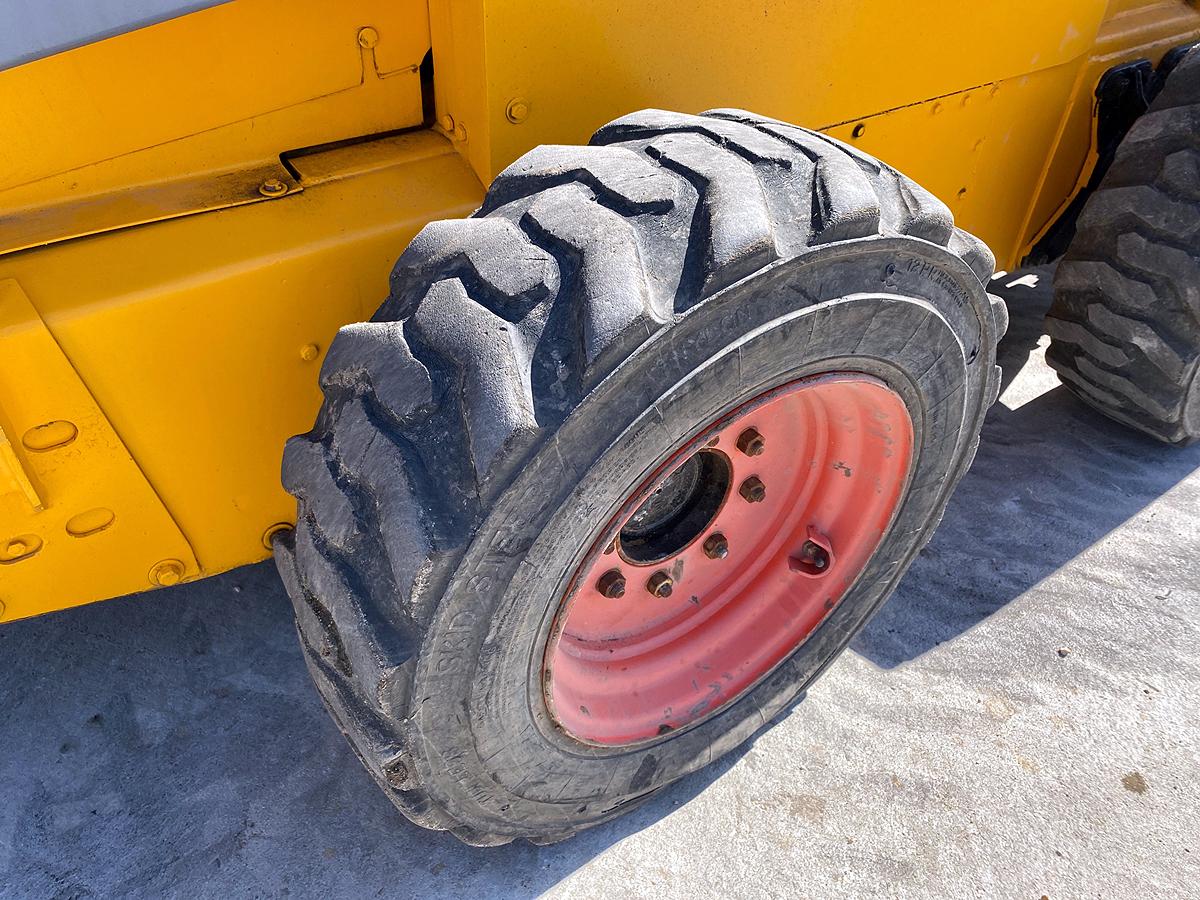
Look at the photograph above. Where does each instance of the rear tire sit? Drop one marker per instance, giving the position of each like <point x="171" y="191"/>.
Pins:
<point x="531" y="365"/>
<point x="1125" y="322"/>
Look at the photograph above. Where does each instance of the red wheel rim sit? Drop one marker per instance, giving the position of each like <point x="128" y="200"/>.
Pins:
<point x="621" y="668"/>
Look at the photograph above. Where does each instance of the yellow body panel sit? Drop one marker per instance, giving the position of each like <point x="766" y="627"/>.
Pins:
<point x="172" y="266"/>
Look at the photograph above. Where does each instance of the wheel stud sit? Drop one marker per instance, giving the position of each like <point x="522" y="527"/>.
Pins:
<point x="753" y="490"/>
<point x="814" y="554"/>
<point x="716" y="547"/>
<point x="611" y="584"/>
<point x="660" y="584"/>
<point x="751" y="442"/>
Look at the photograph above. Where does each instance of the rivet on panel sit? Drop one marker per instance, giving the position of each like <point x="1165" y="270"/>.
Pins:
<point x="517" y="110"/>
<point x="368" y="37"/>
<point x="49" y="436"/>
<point x="309" y="352"/>
<point x="90" y="522"/>
<point x="273" y="532"/>
<point x="167" y="573"/>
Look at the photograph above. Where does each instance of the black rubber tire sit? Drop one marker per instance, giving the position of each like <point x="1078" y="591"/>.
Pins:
<point x="530" y="365"/>
<point x="1125" y="321"/>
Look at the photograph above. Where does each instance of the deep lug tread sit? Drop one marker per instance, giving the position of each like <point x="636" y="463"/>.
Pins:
<point x="1125" y="322"/>
<point x="497" y="411"/>
<point x="617" y="305"/>
<point x="748" y="143"/>
<point x="736" y="245"/>
<point x="621" y="178"/>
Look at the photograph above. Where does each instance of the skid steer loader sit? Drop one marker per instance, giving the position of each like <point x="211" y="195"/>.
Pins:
<point x="674" y="374"/>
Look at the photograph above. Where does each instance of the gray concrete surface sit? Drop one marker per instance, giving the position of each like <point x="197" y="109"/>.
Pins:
<point x="170" y="745"/>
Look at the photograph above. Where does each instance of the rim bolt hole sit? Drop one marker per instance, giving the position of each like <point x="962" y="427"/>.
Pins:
<point x="611" y="584"/>
<point x="753" y="490"/>
<point x="716" y="547"/>
<point x="751" y="442"/>
<point x="660" y="584"/>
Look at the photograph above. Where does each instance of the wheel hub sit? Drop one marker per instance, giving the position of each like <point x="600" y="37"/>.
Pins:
<point x="728" y="557"/>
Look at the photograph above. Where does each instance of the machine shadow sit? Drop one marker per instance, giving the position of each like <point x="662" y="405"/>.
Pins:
<point x="1051" y="478"/>
<point x="174" y="746"/>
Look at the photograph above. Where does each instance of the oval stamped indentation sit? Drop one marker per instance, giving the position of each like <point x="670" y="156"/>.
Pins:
<point x="90" y="522"/>
<point x="49" y="436"/>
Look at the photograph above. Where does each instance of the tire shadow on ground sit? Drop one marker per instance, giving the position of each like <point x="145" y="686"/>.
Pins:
<point x="1051" y="478"/>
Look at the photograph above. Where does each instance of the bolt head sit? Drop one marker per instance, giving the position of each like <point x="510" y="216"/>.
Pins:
<point x="611" y="584"/>
<point x="309" y="352"/>
<point x="368" y="37"/>
<point x="753" y="490"/>
<point x="460" y="132"/>
<point x="15" y="549"/>
<point x="751" y="442"/>
<point x="660" y="584"/>
<point x="167" y="573"/>
<point x="517" y="111"/>
<point x="716" y="547"/>
<point x="272" y="187"/>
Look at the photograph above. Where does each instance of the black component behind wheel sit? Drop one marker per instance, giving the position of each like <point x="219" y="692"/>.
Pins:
<point x="1125" y="322"/>
<point x="531" y="365"/>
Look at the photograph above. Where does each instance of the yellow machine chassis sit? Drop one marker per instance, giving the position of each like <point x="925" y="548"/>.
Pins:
<point x="189" y="211"/>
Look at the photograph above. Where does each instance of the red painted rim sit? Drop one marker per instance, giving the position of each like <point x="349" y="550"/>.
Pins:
<point x="834" y="458"/>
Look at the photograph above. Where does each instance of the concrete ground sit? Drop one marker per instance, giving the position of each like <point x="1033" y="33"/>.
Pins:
<point x="1021" y="720"/>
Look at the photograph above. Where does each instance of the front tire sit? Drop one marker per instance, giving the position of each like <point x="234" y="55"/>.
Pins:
<point x="533" y="366"/>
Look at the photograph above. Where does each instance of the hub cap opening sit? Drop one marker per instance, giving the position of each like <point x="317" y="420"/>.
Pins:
<point x="679" y="510"/>
<point x="727" y="558"/>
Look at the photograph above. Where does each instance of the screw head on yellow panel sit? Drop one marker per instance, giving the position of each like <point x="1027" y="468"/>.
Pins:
<point x="272" y="187"/>
<point x="517" y="111"/>
<point x="167" y="573"/>
<point x="367" y="37"/>
<point x="309" y="352"/>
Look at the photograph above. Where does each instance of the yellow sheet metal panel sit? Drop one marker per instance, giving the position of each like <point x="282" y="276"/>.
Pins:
<point x="981" y="151"/>
<point x="200" y="339"/>
<point x="94" y="526"/>
<point x="216" y="91"/>
<point x="817" y="63"/>
<point x="1133" y="29"/>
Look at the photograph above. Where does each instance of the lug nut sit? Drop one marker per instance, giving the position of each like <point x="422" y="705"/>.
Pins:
<point x="751" y="442"/>
<point x="814" y="554"/>
<point x="660" y="584"/>
<point x="753" y="490"/>
<point x="716" y="547"/>
<point x="611" y="584"/>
